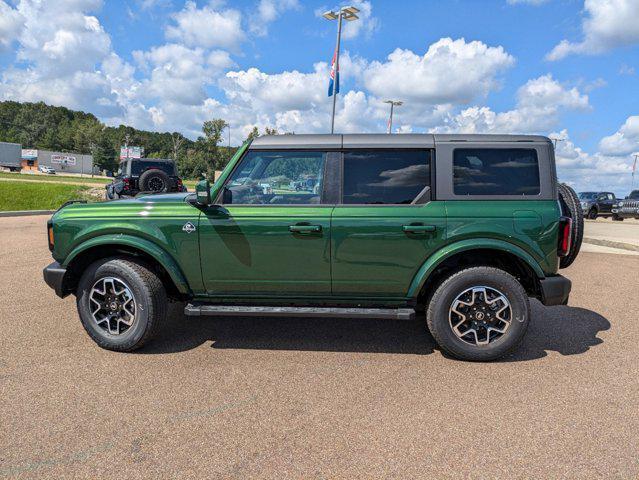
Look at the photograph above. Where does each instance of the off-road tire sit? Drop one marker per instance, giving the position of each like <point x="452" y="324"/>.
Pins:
<point x="571" y="207"/>
<point x="149" y="180"/>
<point x="150" y="297"/>
<point x="437" y="313"/>
<point x="617" y="218"/>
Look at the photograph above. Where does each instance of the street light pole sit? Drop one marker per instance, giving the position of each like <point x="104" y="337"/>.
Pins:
<point x="555" y="140"/>
<point x="350" y="14"/>
<point x="339" y="38"/>
<point x="393" y="103"/>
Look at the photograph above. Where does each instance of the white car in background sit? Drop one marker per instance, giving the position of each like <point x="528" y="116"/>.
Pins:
<point x="46" y="169"/>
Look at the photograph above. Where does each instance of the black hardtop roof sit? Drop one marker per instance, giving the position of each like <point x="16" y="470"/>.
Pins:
<point x="381" y="140"/>
<point x="149" y="160"/>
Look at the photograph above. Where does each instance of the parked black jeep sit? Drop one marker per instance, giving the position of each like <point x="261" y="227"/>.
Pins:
<point x="597" y="204"/>
<point x="144" y="175"/>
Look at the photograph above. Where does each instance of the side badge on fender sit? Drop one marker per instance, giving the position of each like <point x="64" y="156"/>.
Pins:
<point x="188" y="227"/>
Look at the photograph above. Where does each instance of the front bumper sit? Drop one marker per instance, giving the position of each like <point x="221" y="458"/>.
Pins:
<point x="555" y="290"/>
<point x="54" y="275"/>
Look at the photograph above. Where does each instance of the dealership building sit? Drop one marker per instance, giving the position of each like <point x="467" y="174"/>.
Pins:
<point x="62" y="162"/>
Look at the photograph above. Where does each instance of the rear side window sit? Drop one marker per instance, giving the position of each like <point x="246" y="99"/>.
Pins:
<point x="138" y="167"/>
<point x="390" y="177"/>
<point x="495" y="171"/>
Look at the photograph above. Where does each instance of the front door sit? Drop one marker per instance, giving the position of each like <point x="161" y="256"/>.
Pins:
<point x="271" y="235"/>
<point x="386" y="225"/>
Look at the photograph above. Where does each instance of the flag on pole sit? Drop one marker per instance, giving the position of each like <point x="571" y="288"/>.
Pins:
<point x="333" y="83"/>
<point x="634" y="166"/>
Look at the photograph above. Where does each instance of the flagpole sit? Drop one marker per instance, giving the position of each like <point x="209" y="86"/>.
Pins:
<point x="335" y="80"/>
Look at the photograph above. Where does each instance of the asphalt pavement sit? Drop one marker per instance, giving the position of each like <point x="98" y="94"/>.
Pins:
<point x="313" y="398"/>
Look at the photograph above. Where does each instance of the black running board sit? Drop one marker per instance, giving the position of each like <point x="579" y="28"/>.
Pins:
<point x="199" y="310"/>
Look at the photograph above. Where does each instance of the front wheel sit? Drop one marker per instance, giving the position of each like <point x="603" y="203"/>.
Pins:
<point x="592" y="214"/>
<point x="121" y="303"/>
<point x="617" y="218"/>
<point x="478" y="314"/>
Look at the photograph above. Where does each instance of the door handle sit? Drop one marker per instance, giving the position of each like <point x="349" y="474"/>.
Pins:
<point x="419" y="228"/>
<point x="305" y="228"/>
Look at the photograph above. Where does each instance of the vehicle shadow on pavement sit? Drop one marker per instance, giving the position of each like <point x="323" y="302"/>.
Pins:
<point x="293" y="333"/>
<point x="563" y="329"/>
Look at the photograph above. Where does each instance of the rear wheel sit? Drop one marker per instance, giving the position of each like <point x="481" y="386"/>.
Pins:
<point x="478" y="314"/>
<point x="121" y="303"/>
<point x="570" y="207"/>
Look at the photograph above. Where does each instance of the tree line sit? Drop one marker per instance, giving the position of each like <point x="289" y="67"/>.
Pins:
<point x="46" y="127"/>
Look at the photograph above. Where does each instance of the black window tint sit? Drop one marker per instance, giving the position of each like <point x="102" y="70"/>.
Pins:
<point x="141" y="166"/>
<point x="385" y="176"/>
<point x="493" y="171"/>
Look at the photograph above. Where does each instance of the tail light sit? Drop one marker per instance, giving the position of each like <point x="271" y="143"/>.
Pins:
<point x="179" y="182"/>
<point x="565" y="236"/>
<point x="50" y="234"/>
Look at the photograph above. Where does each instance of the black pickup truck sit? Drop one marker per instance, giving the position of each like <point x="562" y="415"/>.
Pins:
<point x="627" y="208"/>
<point x="597" y="204"/>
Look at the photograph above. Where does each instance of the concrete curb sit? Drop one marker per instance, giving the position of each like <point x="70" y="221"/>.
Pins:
<point x="26" y="213"/>
<point x="612" y="244"/>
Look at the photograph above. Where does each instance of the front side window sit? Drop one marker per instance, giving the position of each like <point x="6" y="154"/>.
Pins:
<point x="495" y="171"/>
<point x="390" y="177"/>
<point x="277" y="178"/>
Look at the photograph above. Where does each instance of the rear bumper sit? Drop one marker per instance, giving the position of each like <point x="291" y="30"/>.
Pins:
<point x="54" y="277"/>
<point x="555" y="290"/>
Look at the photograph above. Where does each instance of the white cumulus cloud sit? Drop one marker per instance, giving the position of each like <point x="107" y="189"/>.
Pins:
<point x="11" y="22"/>
<point x="540" y="102"/>
<point x="624" y="141"/>
<point x="608" y="24"/>
<point x="451" y="71"/>
<point x="207" y="27"/>
<point x="267" y="12"/>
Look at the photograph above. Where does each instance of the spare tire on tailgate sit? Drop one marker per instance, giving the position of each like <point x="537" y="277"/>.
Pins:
<point x="571" y="207"/>
<point x="154" y="180"/>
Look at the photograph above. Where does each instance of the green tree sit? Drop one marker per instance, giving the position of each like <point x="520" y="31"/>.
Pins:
<point x="253" y="135"/>
<point x="213" y="130"/>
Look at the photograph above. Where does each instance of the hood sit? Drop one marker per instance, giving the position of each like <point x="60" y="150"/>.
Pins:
<point x="158" y="205"/>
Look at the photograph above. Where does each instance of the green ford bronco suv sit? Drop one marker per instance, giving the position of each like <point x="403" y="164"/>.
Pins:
<point x="461" y="229"/>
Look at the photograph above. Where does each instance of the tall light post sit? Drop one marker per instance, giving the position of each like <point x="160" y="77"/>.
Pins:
<point x="349" y="14"/>
<point x="555" y="140"/>
<point x="393" y="104"/>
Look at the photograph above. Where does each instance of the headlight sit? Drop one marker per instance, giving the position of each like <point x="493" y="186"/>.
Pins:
<point x="621" y="204"/>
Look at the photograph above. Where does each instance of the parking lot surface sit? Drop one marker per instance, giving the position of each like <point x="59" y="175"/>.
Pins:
<point x="309" y="398"/>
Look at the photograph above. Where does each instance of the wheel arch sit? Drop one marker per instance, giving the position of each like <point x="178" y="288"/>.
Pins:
<point x="126" y="246"/>
<point x="467" y="253"/>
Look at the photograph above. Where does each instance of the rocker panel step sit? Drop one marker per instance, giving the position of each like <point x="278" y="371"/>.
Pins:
<point x="197" y="310"/>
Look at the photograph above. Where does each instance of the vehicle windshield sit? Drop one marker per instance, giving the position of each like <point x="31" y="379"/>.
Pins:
<point x="587" y="195"/>
<point x="634" y="195"/>
<point x="121" y="169"/>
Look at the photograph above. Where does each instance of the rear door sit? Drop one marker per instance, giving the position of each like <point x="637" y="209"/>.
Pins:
<point x="385" y="225"/>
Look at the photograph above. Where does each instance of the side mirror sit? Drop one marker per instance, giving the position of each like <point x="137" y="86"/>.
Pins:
<point x="203" y="193"/>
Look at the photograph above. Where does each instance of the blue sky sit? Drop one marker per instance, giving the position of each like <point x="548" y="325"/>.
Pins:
<point x="564" y="68"/>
